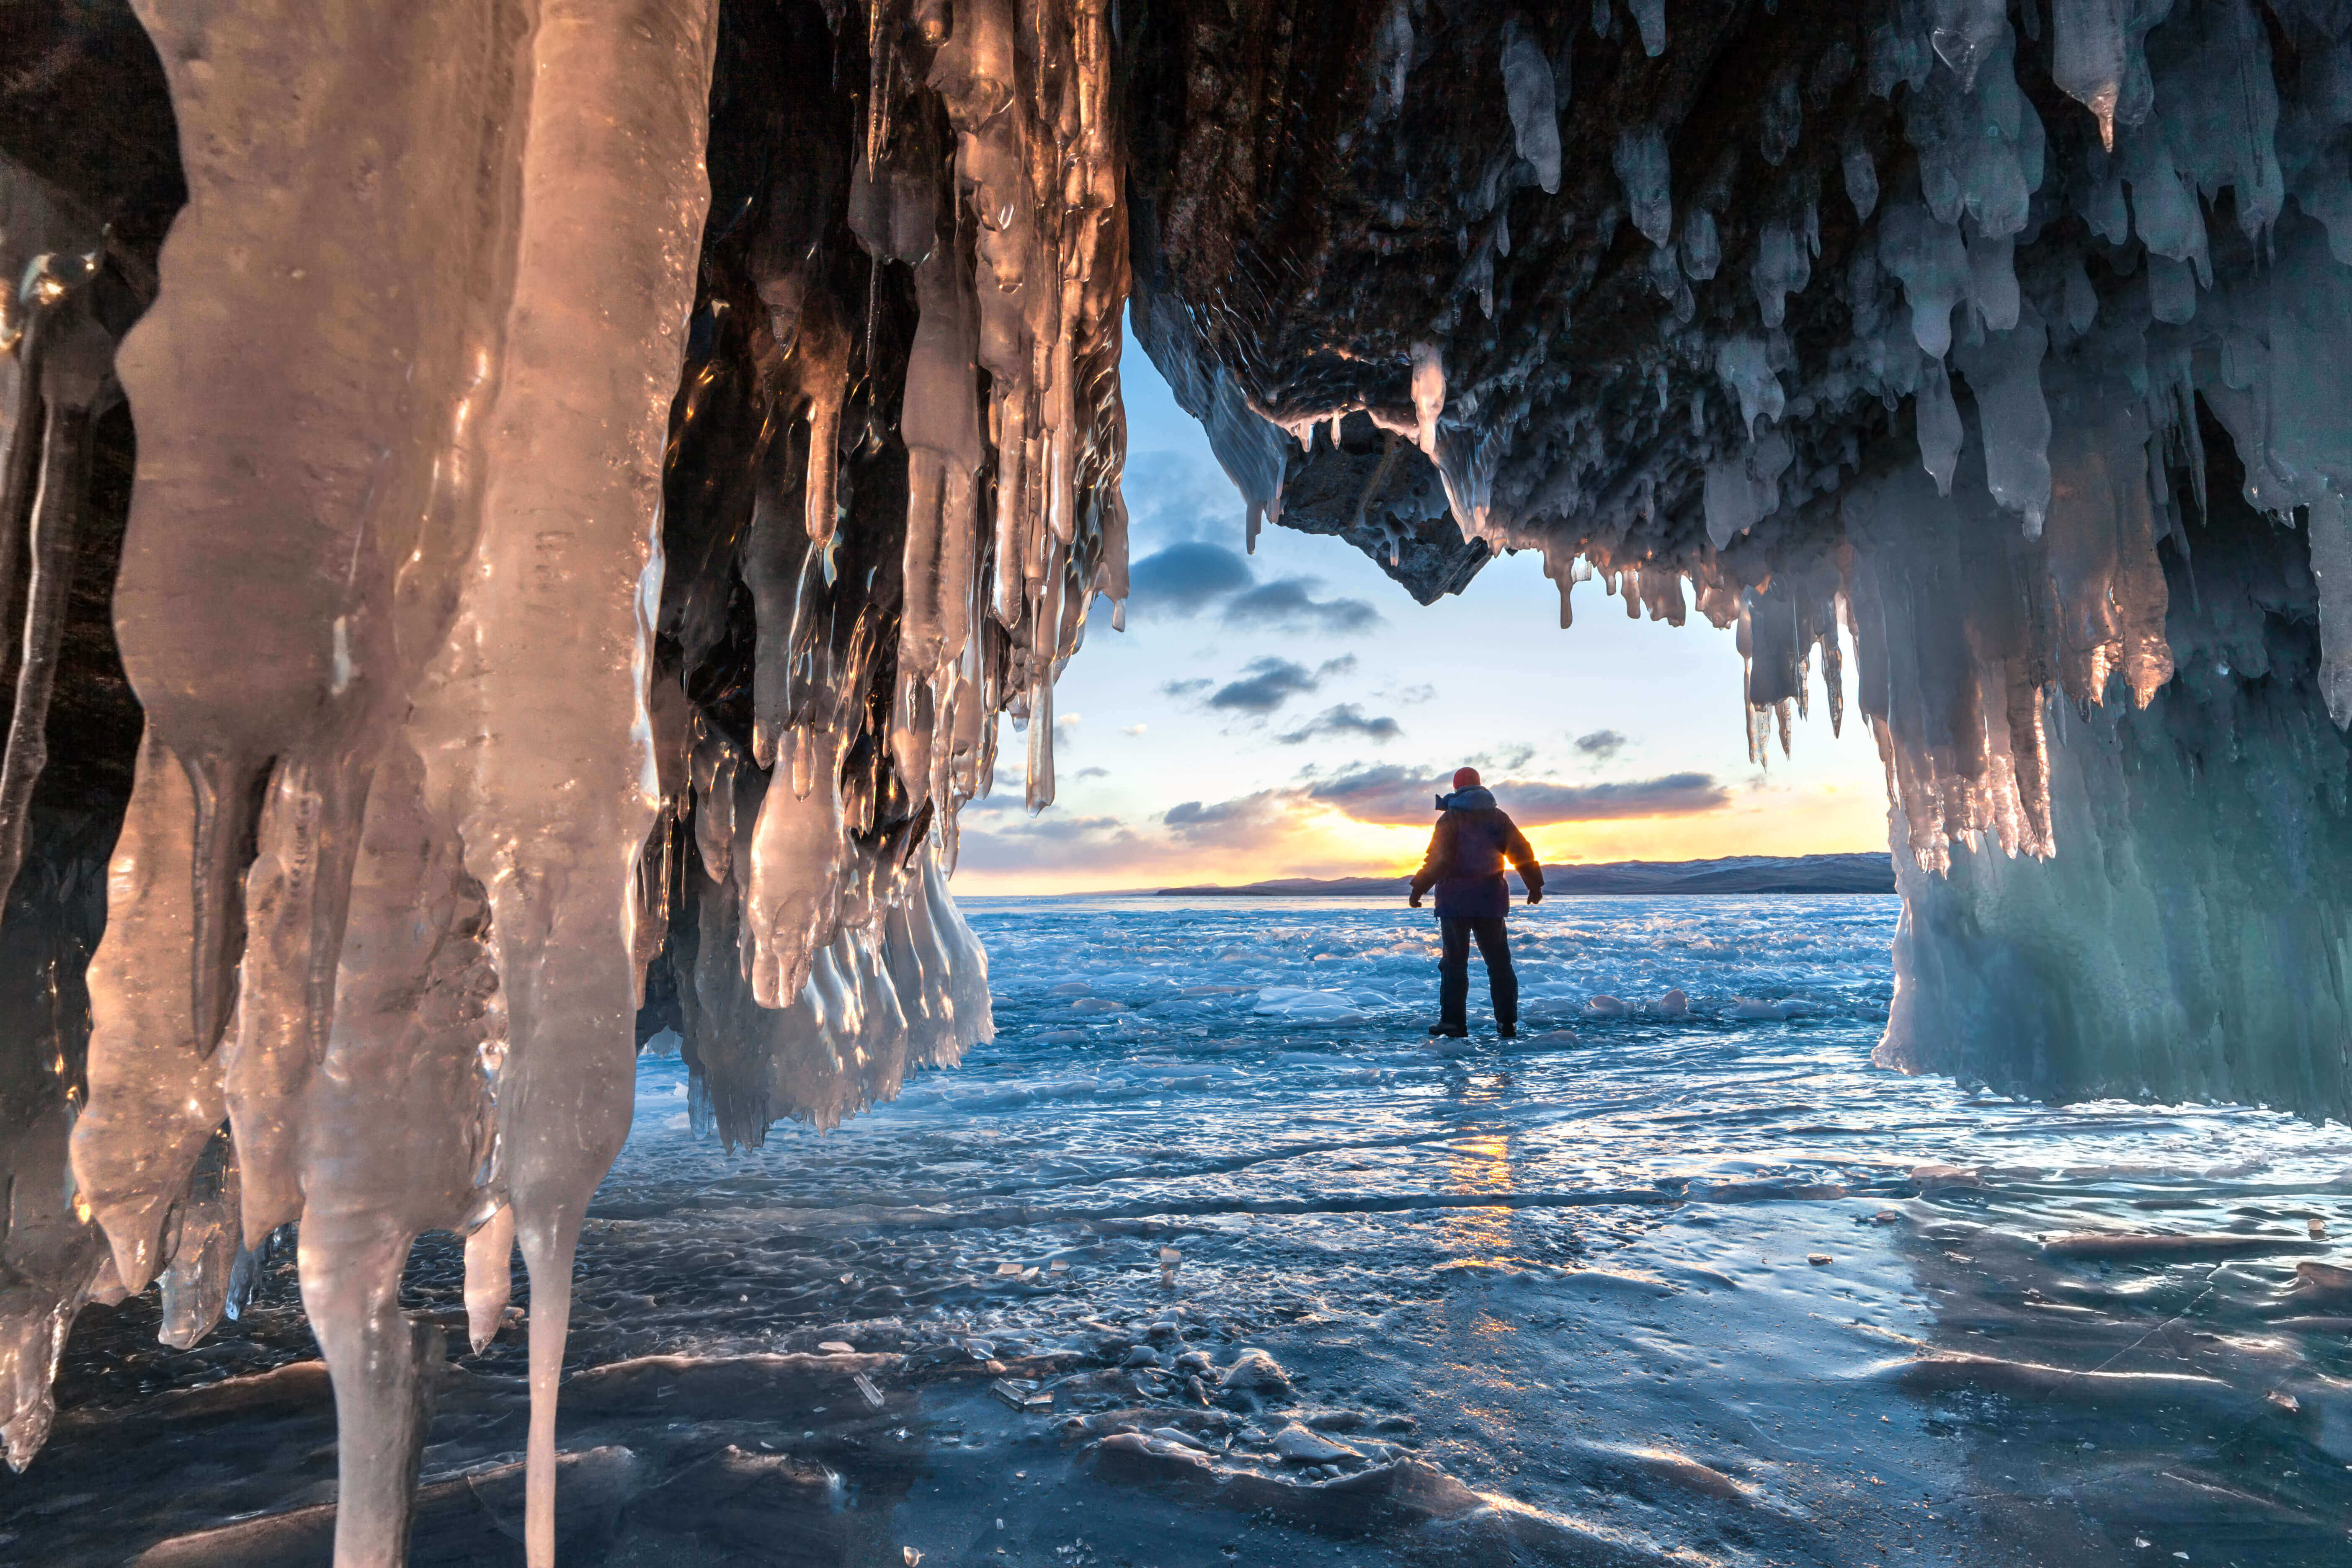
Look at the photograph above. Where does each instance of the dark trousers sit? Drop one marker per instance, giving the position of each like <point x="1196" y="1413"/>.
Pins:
<point x="1454" y="970"/>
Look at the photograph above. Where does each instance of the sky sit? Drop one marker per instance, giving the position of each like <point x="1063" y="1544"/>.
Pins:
<point x="1291" y="714"/>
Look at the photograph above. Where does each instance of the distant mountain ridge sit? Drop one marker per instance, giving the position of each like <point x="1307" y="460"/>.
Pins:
<point x="1861" y="873"/>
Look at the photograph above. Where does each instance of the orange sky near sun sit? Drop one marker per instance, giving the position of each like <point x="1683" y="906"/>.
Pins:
<point x="1320" y="842"/>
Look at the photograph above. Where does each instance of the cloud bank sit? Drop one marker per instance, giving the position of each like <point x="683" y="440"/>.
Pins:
<point x="1393" y="795"/>
<point x="1346" y="719"/>
<point x="1191" y="577"/>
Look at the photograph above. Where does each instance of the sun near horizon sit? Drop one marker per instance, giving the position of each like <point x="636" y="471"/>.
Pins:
<point x="1832" y="819"/>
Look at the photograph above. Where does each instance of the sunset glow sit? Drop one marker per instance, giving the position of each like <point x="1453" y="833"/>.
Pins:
<point x="1291" y="711"/>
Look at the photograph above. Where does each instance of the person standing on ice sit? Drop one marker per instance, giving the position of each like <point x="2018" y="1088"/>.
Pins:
<point x="1473" y="840"/>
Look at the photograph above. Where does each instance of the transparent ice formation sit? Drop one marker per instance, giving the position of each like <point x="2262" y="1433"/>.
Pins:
<point x="1968" y="436"/>
<point x="578" y="612"/>
<point x="453" y="788"/>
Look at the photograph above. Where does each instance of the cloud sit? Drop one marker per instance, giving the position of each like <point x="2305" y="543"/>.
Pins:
<point x="1265" y="685"/>
<point x="1185" y="688"/>
<point x="1669" y="794"/>
<point x="1132" y="730"/>
<point x="1246" y="821"/>
<point x="1343" y="665"/>
<point x="1600" y="745"/>
<point x="1091" y="773"/>
<point x="1410" y="694"/>
<point x="1045" y="843"/>
<point x="1346" y="719"/>
<point x="1185" y="579"/>
<point x="1287" y="604"/>
<point x="1504" y="760"/>
<point x="1172" y="506"/>
<point x="1389" y="794"/>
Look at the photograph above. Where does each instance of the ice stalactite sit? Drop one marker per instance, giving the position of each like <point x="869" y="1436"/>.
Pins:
<point x="385" y="602"/>
<point x="64" y="293"/>
<point x="484" y="715"/>
<point x="493" y="723"/>
<point x="2083" y="307"/>
<point x="2187" y="938"/>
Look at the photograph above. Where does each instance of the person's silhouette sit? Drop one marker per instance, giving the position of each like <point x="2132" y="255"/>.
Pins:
<point x="1467" y="852"/>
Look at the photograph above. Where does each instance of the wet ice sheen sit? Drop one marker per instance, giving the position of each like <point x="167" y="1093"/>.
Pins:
<point x="1253" y="1078"/>
<point x="1661" y="1280"/>
<point x="1135" y="1033"/>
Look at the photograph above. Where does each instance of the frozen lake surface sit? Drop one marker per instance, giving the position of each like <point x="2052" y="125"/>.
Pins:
<point x="1631" y="1289"/>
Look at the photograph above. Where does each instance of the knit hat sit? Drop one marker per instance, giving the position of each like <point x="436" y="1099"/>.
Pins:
<point x="1466" y="778"/>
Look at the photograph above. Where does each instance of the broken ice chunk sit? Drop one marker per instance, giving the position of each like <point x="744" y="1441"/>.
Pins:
<point x="1781" y="1011"/>
<point x="1022" y="1395"/>
<point x="1302" y="1447"/>
<point x="1254" y="1371"/>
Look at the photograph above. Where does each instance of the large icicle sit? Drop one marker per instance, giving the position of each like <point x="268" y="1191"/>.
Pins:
<point x="536" y="730"/>
<point x="425" y="487"/>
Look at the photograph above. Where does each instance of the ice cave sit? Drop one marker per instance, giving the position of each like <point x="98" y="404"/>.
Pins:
<point x="525" y="514"/>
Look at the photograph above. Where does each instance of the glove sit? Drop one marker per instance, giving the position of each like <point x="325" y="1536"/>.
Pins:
<point x="1535" y="895"/>
<point x="1413" y="903"/>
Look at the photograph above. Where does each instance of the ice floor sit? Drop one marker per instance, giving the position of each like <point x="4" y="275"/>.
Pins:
<point x="1630" y="1290"/>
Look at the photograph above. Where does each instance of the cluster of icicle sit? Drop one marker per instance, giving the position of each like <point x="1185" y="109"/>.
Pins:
<point x="1015" y="238"/>
<point x="56" y="376"/>
<point x="2051" y="307"/>
<point x="2016" y="563"/>
<point x="415" y="808"/>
